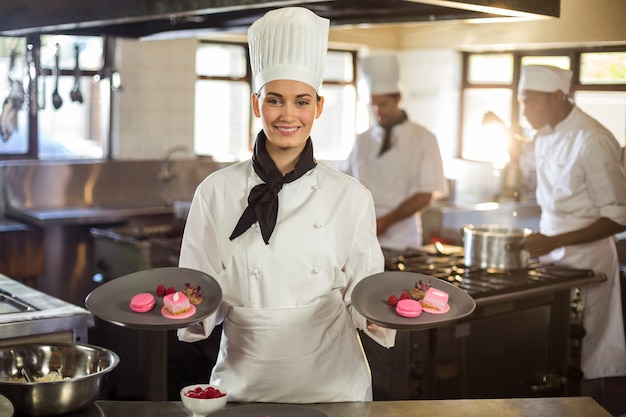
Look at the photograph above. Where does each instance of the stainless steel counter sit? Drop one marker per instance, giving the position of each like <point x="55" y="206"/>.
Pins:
<point x="529" y="407"/>
<point x="51" y="316"/>
<point x="85" y="215"/>
<point x="10" y="225"/>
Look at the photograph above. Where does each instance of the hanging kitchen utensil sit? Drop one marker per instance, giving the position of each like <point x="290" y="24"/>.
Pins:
<point x="13" y="103"/>
<point x="32" y="77"/>
<point x="75" y="94"/>
<point x="57" y="101"/>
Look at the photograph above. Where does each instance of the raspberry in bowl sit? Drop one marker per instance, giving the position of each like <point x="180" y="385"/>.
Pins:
<point x="203" y="399"/>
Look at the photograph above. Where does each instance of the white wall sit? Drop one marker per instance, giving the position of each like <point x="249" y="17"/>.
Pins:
<point x="431" y="88"/>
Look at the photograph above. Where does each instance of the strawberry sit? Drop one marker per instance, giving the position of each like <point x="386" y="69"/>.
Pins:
<point x="160" y="290"/>
<point x="170" y="290"/>
<point x="392" y="300"/>
<point x="405" y="295"/>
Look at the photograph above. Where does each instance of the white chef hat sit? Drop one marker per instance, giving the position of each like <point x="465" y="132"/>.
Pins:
<point x="381" y="73"/>
<point x="545" y="78"/>
<point x="290" y="43"/>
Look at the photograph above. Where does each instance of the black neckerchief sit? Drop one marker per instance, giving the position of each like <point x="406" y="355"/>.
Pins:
<point x="263" y="198"/>
<point x="387" y="138"/>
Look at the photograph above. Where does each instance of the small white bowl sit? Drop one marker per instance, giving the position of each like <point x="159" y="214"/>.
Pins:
<point x="200" y="407"/>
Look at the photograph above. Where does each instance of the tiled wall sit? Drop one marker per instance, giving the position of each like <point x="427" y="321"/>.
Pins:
<point x="154" y="109"/>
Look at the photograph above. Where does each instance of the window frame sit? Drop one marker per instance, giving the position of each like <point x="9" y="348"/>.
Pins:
<point x="574" y="54"/>
<point x="105" y="71"/>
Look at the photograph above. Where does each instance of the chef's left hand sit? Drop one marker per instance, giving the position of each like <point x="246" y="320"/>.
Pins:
<point x="538" y="244"/>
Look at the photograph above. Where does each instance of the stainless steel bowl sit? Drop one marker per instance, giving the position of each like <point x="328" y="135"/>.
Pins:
<point x="83" y="367"/>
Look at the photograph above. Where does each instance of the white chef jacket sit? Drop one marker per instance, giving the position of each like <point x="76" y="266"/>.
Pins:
<point x="580" y="179"/>
<point x="289" y="328"/>
<point x="412" y="165"/>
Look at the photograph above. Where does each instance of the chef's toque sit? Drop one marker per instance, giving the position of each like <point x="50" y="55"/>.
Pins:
<point x="545" y="78"/>
<point x="289" y="44"/>
<point x="381" y="73"/>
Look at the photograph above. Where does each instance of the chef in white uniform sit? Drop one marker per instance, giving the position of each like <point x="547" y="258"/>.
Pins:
<point x="581" y="190"/>
<point x="396" y="159"/>
<point x="287" y="238"/>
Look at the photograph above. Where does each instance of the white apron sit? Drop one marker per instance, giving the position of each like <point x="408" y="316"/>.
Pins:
<point x="283" y="338"/>
<point x="604" y="347"/>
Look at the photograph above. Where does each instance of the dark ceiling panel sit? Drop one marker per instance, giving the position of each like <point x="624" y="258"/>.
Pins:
<point x="141" y="18"/>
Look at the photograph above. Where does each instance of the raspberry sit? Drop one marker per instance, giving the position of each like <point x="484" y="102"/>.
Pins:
<point x="405" y="295"/>
<point x="170" y="290"/>
<point x="392" y="300"/>
<point x="160" y="290"/>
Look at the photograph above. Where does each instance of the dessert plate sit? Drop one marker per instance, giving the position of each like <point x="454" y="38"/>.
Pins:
<point x="273" y="410"/>
<point x="369" y="297"/>
<point x="110" y="301"/>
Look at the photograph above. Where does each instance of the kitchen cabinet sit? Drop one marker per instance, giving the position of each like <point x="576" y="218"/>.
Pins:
<point x="21" y="251"/>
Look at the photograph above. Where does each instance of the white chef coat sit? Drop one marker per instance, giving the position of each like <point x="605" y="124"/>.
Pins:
<point x="289" y="328"/>
<point x="580" y="179"/>
<point x="412" y="165"/>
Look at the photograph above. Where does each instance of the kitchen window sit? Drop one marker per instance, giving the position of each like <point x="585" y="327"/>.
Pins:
<point x="225" y="127"/>
<point x="490" y="84"/>
<point x="65" y="110"/>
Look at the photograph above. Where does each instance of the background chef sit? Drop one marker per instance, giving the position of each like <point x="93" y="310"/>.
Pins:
<point x="287" y="238"/>
<point x="396" y="159"/>
<point x="582" y="193"/>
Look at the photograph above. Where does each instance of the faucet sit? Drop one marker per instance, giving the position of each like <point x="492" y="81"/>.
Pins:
<point x="164" y="174"/>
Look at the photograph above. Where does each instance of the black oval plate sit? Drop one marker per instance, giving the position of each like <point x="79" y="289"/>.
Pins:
<point x="369" y="297"/>
<point x="110" y="301"/>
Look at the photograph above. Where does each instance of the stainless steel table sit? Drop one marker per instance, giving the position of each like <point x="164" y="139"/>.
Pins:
<point x="527" y="407"/>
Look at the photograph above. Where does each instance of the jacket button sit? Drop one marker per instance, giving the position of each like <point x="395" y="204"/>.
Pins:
<point x="315" y="187"/>
<point x="317" y="225"/>
<point x="315" y="270"/>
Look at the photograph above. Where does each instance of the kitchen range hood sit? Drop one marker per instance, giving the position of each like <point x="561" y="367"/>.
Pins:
<point x="141" y="18"/>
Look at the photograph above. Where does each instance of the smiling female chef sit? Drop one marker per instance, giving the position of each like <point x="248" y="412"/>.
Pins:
<point x="287" y="238"/>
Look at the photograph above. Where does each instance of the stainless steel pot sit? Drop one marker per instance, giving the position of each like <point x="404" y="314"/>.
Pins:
<point x="495" y="247"/>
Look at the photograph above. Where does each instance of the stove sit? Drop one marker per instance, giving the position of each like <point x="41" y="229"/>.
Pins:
<point x="522" y="340"/>
<point x="487" y="286"/>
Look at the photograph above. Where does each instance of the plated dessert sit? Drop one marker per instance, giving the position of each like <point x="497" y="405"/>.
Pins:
<point x="423" y="297"/>
<point x="176" y="304"/>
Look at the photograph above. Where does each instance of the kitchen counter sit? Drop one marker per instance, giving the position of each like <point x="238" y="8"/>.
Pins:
<point x="50" y="318"/>
<point x="86" y="215"/>
<point x="517" y="407"/>
<point x="10" y="225"/>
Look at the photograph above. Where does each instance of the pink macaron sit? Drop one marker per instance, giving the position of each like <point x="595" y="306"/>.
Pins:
<point x="408" y="308"/>
<point x="142" y="302"/>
